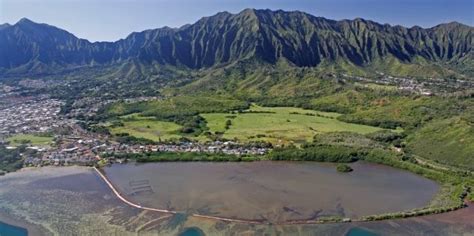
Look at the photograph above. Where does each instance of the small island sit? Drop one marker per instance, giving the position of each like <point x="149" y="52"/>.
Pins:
<point x="343" y="168"/>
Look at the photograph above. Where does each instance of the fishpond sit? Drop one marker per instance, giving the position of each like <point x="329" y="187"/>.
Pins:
<point x="77" y="201"/>
<point x="276" y="192"/>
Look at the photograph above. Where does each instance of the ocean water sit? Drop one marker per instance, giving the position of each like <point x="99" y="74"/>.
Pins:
<point x="10" y="230"/>
<point x="360" y="232"/>
<point x="192" y="232"/>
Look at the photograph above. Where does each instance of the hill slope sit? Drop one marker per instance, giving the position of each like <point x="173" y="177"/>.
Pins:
<point x="267" y="36"/>
<point x="447" y="141"/>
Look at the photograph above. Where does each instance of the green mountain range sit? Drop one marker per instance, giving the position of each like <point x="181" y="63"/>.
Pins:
<point x="273" y="58"/>
<point x="260" y="36"/>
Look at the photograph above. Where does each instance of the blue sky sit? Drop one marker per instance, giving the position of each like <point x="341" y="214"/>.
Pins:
<point x="110" y="20"/>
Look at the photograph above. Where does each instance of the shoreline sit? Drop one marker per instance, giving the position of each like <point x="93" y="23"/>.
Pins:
<point x="424" y="211"/>
<point x="132" y="204"/>
<point x="370" y="218"/>
<point x="32" y="229"/>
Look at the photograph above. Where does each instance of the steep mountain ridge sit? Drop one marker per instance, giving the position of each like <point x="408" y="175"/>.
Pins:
<point x="269" y="36"/>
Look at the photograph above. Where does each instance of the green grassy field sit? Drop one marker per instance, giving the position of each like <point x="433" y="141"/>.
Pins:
<point x="148" y="128"/>
<point x="283" y="125"/>
<point x="34" y="140"/>
<point x="448" y="141"/>
<point x="176" y="106"/>
<point x="288" y="110"/>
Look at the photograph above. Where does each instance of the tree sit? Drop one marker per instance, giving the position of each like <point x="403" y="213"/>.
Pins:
<point x="228" y="123"/>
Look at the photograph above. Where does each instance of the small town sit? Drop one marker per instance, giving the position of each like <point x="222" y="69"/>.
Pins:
<point x="412" y="85"/>
<point x="72" y="145"/>
<point x="31" y="117"/>
<point x="88" y="152"/>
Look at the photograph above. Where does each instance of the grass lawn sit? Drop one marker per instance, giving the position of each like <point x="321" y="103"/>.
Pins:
<point x="280" y="126"/>
<point x="34" y="140"/>
<point x="148" y="128"/>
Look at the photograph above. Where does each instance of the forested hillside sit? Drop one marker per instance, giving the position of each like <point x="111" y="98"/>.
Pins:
<point x="267" y="36"/>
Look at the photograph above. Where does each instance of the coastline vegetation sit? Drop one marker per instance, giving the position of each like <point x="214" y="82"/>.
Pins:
<point x="456" y="185"/>
<point x="405" y="122"/>
<point x="323" y="153"/>
<point x="182" y="157"/>
<point x="345" y="148"/>
<point x="12" y="159"/>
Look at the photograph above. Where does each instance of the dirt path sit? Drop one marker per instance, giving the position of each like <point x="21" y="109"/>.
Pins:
<point x="438" y="166"/>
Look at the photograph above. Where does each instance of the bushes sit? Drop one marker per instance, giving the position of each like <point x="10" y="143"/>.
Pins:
<point x="116" y="123"/>
<point x="345" y="139"/>
<point x="385" y="136"/>
<point x="11" y="159"/>
<point x="126" y="138"/>
<point x="396" y="160"/>
<point x="228" y="123"/>
<point x="191" y="124"/>
<point x="183" y="157"/>
<point x="343" y="168"/>
<point x="97" y="129"/>
<point x="323" y="153"/>
<point x="338" y="154"/>
<point x="413" y="213"/>
<point x="176" y="107"/>
<point x="183" y="110"/>
<point x="382" y="123"/>
<point x="447" y="141"/>
<point x="187" y="130"/>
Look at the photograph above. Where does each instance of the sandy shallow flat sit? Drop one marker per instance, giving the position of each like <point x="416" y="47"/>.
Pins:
<point x="31" y="228"/>
<point x="75" y="201"/>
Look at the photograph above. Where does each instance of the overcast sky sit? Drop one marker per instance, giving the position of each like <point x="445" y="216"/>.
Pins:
<point x="110" y="20"/>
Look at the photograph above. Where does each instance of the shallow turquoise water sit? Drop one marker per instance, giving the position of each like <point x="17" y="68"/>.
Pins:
<point x="10" y="230"/>
<point x="192" y="232"/>
<point x="360" y="232"/>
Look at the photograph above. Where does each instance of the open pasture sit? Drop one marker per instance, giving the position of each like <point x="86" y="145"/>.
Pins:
<point x="279" y="124"/>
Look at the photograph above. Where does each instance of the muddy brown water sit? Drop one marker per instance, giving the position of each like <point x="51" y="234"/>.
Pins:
<point x="272" y="191"/>
<point x="76" y="201"/>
